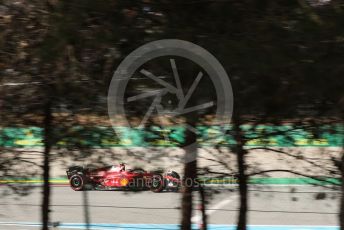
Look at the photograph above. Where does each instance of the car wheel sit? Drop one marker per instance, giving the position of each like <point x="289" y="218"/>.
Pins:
<point x="77" y="182"/>
<point x="157" y="183"/>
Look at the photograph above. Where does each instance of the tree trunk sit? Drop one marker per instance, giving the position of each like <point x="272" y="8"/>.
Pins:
<point x="341" y="212"/>
<point x="190" y="173"/>
<point x="203" y="208"/>
<point x="243" y="191"/>
<point x="86" y="210"/>
<point x="46" y="167"/>
<point x="241" y="162"/>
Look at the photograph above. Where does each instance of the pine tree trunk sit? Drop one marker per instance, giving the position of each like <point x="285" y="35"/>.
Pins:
<point x="86" y="210"/>
<point x="46" y="165"/>
<point x="241" y="162"/>
<point x="242" y="218"/>
<point x="190" y="170"/>
<point x="190" y="173"/>
<point x="341" y="212"/>
<point x="203" y="208"/>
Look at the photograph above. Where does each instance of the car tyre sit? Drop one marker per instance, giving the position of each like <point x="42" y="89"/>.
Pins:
<point x="157" y="183"/>
<point x="77" y="182"/>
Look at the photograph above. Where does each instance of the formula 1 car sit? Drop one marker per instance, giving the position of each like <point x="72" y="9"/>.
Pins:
<point x="117" y="177"/>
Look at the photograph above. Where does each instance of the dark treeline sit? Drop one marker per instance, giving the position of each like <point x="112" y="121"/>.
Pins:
<point x="284" y="58"/>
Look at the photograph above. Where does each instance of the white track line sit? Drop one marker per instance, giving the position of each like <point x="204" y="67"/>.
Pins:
<point x="197" y="218"/>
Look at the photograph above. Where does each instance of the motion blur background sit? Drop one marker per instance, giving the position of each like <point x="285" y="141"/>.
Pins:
<point x="284" y="60"/>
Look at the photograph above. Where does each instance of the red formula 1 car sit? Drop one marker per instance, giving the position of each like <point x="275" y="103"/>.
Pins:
<point x="114" y="177"/>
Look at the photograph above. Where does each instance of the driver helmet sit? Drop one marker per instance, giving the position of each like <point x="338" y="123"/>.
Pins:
<point x="122" y="167"/>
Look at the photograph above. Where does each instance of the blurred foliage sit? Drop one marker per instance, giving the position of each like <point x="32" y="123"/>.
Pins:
<point x="284" y="57"/>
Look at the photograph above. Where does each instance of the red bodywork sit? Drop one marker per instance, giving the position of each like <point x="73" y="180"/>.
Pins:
<point x="117" y="177"/>
<point x="112" y="178"/>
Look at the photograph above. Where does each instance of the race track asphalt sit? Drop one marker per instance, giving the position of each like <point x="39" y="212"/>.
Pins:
<point x="278" y="205"/>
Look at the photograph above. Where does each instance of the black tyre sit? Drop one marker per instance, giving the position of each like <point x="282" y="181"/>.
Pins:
<point x="173" y="185"/>
<point x="77" y="182"/>
<point x="157" y="183"/>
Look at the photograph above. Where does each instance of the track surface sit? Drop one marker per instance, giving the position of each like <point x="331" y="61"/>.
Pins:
<point x="268" y="205"/>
